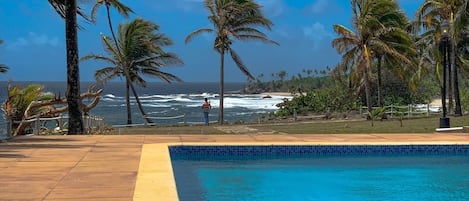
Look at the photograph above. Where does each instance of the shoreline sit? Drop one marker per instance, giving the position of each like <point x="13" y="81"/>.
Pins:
<point x="276" y="94"/>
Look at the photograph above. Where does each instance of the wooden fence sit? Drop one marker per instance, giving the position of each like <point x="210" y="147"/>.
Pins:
<point x="408" y="111"/>
<point x="57" y="125"/>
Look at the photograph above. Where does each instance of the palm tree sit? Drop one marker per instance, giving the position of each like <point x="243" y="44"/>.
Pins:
<point x="3" y="67"/>
<point x="430" y="15"/>
<point x="373" y="35"/>
<point x="124" y="11"/>
<point x="142" y="54"/>
<point x="395" y="23"/>
<point x="68" y="10"/>
<point x="233" y="20"/>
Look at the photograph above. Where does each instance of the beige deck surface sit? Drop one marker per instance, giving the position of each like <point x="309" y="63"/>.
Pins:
<point x="105" y="167"/>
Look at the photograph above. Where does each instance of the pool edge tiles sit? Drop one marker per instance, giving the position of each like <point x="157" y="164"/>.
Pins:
<point x="188" y="152"/>
<point x="155" y="180"/>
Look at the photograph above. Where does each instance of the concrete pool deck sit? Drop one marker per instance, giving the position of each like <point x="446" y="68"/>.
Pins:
<point x="134" y="167"/>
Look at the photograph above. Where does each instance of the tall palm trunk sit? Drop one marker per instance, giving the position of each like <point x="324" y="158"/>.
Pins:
<point x="127" y="101"/>
<point x="367" y="91"/>
<point x="222" y="87"/>
<point x="457" y="98"/>
<point x="73" y="76"/>
<point x="380" y="95"/>
<point x="450" y="79"/>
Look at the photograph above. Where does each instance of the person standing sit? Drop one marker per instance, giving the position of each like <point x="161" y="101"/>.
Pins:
<point x="206" y="107"/>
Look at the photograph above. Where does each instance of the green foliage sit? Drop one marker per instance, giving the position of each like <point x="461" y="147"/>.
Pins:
<point x="465" y="98"/>
<point x="19" y="100"/>
<point x="375" y="113"/>
<point x="318" y="101"/>
<point x="301" y="83"/>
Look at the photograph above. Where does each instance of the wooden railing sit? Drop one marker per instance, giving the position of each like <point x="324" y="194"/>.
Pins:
<point x="408" y="111"/>
<point x="39" y="126"/>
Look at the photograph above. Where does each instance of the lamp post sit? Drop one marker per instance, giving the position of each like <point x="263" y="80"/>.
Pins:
<point x="444" y="121"/>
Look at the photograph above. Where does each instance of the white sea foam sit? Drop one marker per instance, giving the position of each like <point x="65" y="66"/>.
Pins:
<point x="237" y="106"/>
<point x="109" y="96"/>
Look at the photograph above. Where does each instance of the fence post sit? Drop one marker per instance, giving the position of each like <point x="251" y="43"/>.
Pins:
<point x="36" y="131"/>
<point x="392" y="111"/>
<point x="9" y="127"/>
<point x="428" y="109"/>
<point x="409" y="109"/>
<point x="294" y="114"/>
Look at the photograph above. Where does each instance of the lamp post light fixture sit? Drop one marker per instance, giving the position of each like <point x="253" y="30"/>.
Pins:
<point x="444" y="121"/>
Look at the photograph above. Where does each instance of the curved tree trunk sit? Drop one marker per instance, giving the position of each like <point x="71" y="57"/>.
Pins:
<point x="222" y="87"/>
<point x="73" y="76"/>
<point x="112" y="29"/>
<point x="139" y="104"/>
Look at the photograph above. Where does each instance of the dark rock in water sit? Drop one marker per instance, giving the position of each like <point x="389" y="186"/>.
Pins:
<point x="267" y="96"/>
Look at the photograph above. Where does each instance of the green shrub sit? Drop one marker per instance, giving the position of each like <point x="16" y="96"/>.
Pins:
<point x="331" y="99"/>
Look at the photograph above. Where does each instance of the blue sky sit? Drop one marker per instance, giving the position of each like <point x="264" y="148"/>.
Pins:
<point x="34" y="38"/>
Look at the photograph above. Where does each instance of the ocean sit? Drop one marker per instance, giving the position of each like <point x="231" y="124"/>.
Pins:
<point x="170" y="104"/>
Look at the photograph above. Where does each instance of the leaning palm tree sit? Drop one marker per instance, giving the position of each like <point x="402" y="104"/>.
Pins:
<point x="124" y="11"/>
<point x="142" y="54"/>
<point x="3" y="67"/>
<point x="373" y="35"/>
<point x="68" y="10"/>
<point x="430" y="16"/>
<point x="233" y="20"/>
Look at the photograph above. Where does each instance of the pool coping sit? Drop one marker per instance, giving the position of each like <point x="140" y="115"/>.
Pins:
<point x="155" y="179"/>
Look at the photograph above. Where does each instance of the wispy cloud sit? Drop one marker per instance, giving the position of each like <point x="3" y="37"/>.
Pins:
<point x="317" y="33"/>
<point x="318" y="7"/>
<point x="189" y="5"/>
<point x="325" y="7"/>
<point x="273" y="8"/>
<point x="34" y="39"/>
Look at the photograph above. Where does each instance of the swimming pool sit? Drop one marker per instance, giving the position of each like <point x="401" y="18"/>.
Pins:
<point x="309" y="172"/>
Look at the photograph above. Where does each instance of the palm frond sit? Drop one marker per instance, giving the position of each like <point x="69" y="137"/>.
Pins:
<point x="3" y="68"/>
<point x="197" y="32"/>
<point x="240" y="64"/>
<point x="59" y="7"/>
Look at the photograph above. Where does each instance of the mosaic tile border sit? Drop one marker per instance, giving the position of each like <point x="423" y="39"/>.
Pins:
<point x="193" y="152"/>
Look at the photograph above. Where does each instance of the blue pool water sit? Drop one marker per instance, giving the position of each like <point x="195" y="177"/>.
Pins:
<point x="351" y="177"/>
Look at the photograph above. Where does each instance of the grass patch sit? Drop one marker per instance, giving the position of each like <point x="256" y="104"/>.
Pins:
<point x="196" y="129"/>
<point x="420" y="125"/>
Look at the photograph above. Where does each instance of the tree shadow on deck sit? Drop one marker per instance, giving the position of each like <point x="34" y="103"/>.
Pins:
<point x="17" y="146"/>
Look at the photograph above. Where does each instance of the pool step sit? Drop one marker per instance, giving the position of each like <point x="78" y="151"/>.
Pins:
<point x="452" y="130"/>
